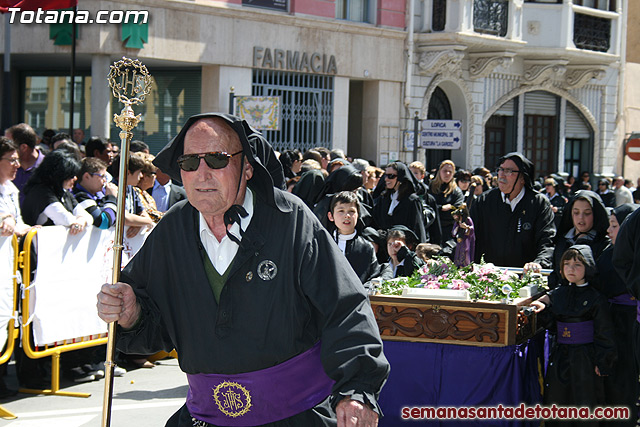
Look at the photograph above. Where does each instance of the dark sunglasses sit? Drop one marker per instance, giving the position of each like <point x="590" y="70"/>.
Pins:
<point x="215" y="160"/>
<point x="390" y="175"/>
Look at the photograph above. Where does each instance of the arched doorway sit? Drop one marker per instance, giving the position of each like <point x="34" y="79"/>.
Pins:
<point x="555" y="135"/>
<point x="439" y="109"/>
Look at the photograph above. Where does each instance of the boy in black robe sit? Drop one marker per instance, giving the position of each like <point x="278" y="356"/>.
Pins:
<point x="343" y="214"/>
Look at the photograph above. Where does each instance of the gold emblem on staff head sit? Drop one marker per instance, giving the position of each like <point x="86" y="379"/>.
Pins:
<point x="130" y="82"/>
<point x="232" y="399"/>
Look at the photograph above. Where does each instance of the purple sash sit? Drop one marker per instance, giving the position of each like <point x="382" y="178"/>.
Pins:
<point x="575" y="333"/>
<point x="638" y="312"/>
<point x="260" y="397"/>
<point x="623" y="299"/>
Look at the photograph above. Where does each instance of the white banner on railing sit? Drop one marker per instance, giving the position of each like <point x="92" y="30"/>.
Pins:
<point x="70" y="272"/>
<point x="6" y="286"/>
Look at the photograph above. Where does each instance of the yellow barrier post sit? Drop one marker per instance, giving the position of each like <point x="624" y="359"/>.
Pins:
<point x="12" y="331"/>
<point x="55" y="351"/>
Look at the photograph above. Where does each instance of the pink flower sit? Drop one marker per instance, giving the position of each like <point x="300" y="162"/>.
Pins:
<point x="428" y="277"/>
<point x="432" y="284"/>
<point x="459" y="284"/>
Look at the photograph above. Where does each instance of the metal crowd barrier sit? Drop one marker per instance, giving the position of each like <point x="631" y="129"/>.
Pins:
<point x="12" y="328"/>
<point x="24" y="262"/>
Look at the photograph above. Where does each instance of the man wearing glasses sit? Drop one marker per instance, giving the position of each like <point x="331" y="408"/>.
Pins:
<point x="270" y="322"/>
<point x="513" y="223"/>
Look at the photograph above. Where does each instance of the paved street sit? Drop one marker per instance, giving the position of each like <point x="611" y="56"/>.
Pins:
<point x="142" y="397"/>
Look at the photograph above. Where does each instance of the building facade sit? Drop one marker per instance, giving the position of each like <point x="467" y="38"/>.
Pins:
<point x="542" y="77"/>
<point x="337" y="68"/>
<point x="539" y="77"/>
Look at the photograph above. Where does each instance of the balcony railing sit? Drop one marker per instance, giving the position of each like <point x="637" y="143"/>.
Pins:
<point x="591" y="32"/>
<point x="491" y="17"/>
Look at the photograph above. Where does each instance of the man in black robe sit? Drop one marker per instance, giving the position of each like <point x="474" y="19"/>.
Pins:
<point x="513" y="223"/>
<point x="242" y="280"/>
<point x="626" y="260"/>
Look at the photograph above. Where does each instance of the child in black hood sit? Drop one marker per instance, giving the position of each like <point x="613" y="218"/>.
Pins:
<point x="584" y="221"/>
<point x="584" y="349"/>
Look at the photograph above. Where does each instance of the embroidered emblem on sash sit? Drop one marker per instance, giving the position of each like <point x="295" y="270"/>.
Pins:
<point x="267" y="270"/>
<point x="566" y="333"/>
<point x="232" y="399"/>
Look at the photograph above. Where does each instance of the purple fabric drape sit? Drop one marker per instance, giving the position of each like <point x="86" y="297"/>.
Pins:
<point x="438" y="375"/>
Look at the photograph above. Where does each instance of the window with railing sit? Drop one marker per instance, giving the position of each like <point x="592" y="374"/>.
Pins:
<point x="591" y="32"/>
<point x="491" y="17"/>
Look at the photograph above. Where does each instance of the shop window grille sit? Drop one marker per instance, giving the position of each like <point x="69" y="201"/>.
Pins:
<point x="306" y="102"/>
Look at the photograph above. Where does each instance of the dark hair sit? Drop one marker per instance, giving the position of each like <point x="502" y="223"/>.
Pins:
<point x="59" y="137"/>
<point x="396" y="234"/>
<point x="22" y="133"/>
<point x="462" y="174"/>
<point x="7" y="145"/>
<point x="572" y="254"/>
<point x="324" y="152"/>
<point x="137" y="146"/>
<point x="47" y="135"/>
<point x="287" y="157"/>
<point x="96" y="143"/>
<point x="136" y="163"/>
<point x="313" y="155"/>
<point x="91" y="165"/>
<point x="347" y="197"/>
<point x="405" y="189"/>
<point x="71" y="148"/>
<point x="57" y="167"/>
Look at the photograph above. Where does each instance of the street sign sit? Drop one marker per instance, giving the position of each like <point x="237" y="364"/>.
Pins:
<point x="441" y="125"/>
<point x="441" y="134"/>
<point x="633" y="149"/>
<point x="441" y="139"/>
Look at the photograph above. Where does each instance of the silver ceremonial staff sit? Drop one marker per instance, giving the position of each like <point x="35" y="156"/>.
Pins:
<point x="131" y="83"/>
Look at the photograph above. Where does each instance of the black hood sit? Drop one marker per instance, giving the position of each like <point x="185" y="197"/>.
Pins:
<point x="623" y="211"/>
<point x="345" y="178"/>
<point x="587" y="253"/>
<point x="525" y="166"/>
<point x="267" y="170"/>
<point x="600" y="216"/>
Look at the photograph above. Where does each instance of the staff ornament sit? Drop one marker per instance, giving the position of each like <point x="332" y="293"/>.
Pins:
<point x="130" y="83"/>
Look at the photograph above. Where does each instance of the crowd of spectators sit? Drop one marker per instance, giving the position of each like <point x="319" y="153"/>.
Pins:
<point x="388" y="220"/>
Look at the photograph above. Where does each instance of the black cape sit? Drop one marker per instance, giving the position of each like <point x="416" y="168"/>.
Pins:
<point x="308" y="294"/>
<point x="597" y="239"/>
<point x="571" y="379"/>
<point x="511" y="239"/>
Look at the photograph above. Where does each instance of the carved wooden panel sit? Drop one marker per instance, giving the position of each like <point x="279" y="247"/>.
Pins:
<point x="464" y="322"/>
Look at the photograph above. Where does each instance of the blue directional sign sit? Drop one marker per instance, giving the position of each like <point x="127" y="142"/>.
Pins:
<point x="441" y="134"/>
